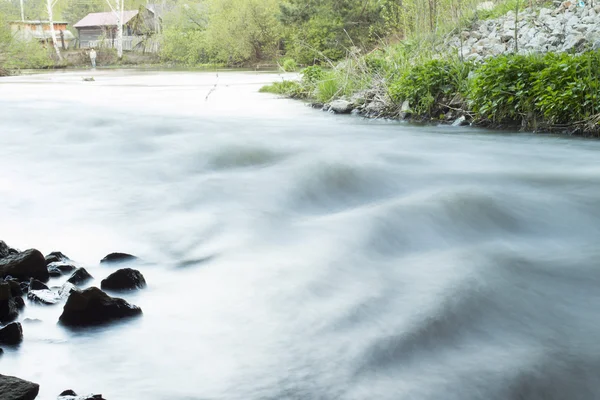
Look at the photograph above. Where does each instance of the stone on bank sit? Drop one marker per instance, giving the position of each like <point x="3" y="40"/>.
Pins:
<point x="12" y="388"/>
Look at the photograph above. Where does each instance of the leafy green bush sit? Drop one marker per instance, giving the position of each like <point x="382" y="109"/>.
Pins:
<point x="502" y="88"/>
<point x="567" y="89"/>
<point x="328" y="88"/>
<point x="289" y="65"/>
<point x="312" y="75"/>
<point x="425" y="85"/>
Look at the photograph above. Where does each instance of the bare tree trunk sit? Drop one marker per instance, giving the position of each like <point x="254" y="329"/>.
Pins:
<point x="22" y="12"/>
<point x="52" y="31"/>
<point x="120" y="28"/>
<point x="517" y="27"/>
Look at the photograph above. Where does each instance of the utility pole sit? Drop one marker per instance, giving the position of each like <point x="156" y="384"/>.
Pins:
<point x="50" y="5"/>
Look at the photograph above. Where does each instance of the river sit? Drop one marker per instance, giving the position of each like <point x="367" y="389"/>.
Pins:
<point x="295" y="254"/>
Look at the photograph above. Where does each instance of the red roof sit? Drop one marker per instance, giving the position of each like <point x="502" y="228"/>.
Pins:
<point x="104" y="19"/>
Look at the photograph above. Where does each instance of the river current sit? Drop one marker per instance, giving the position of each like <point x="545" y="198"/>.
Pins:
<point x="295" y="254"/>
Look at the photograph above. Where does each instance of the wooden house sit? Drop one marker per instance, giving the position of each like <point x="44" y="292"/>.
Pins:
<point x="40" y="31"/>
<point x="100" y="29"/>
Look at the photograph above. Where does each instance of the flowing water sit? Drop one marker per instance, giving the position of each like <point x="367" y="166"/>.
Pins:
<point x="294" y="254"/>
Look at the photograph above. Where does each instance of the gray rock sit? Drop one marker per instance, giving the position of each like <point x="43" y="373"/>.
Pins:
<point x="13" y="388"/>
<point x="405" y="108"/>
<point x="117" y="258"/>
<point x="56" y="256"/>
<point x="9" y="305"/>
<point x="23" y="266"/>
<point x="573" y="43"/>
<point x="341" y="106"/>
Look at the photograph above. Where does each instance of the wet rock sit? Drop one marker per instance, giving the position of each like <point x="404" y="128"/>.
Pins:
<point x="341" y="106"/>
<point x="13" y="388"/>
<point x="44" y="296"/>
<point x="66" y="290"/>
<point x="4" y="249"/>
<point x="63" y="267"/>
<point x="93" y="307"/>
<point x="23" y="266"/>
<point x="117" y="258"/>
<point x="460" y="121"/>
<point x="9" y="305"/>
<point x="124" y="279"/>
<point x="54" y="273"/>
<point x="80" y="276"/>
<point x="11" y="334"/>
<point x="34" y="284"/>
<point x="71" y="395"/>
<point x="15" y="287"/>
<point x="1" y="352"/>
<point x="31" y="321"/>
<point x="56" y="256"/>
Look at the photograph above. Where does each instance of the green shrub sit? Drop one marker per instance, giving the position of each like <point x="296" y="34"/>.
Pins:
<point x="312" y="75"/>
<point x="567" y="89"/>
<point x="286" y="88"/>
<point x="425" y="85"/>
<point x="328" y="88"/>
<point x="502" y="88"/>
<point x="289" y="65"/>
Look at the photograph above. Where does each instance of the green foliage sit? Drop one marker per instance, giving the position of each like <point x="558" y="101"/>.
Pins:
<point x="16" y="54"/>
<point x="425" y="85"/>
<point x="289" y="65"/>
<point x="502" y="88"/>
<point x="291" y="89"/>
<point x="312" y="75"/>
<point x="568" y="88"/>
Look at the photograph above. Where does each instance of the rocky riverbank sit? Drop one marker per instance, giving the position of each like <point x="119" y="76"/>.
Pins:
<point x="26" y="280"/>
<point x="536" y="70"/>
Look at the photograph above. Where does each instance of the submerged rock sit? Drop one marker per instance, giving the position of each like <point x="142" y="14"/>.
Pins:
<point x="124" y="279"/>
<point x="63" y="267"/>
<point x="13" y="388"/>
<point x="15" y="287"/>
<point x="71" y="395"/>
<point x="80" y="276"/>
<point x="23" y="266"/>
<point x="54" y="272"/>
<point x="93" y="307"/>
<point x="34" y="284"/>
<point x="117" y="258"/>
<point x="43" y="296"/>
<point x="56" y="256"/>
<point x="9" y="305"/>
<point x="11" y="334"/>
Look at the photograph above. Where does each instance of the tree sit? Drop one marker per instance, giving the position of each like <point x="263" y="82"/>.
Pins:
<point x="50" y="4"/>
<point x="117" y="9"/>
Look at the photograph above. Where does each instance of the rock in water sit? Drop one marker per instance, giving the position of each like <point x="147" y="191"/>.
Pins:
<point x="11" y="334"/>
<point x="71" y="395"/>
<point x="23" y="266"/>
<point x="4" y="249"/>
<point x="56" y="256"/>
<point x="34" y="284"/>
<point x="117" y="258"/>
<point x="340" y="106"/>
<point x="13" y="388"/>
<point x="93" y="307"/>
<point x="80" y="276"/>
<point x="9" y="305"/>
<point x="124" y="279"/>
<point x="44" y="296"/>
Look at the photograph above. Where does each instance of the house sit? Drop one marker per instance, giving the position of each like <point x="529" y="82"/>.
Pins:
<point x="100" y="29"/>
<point x="40" y="31"/>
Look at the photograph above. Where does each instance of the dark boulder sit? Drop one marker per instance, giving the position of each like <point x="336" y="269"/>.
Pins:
<point x="13" y="388"/>
<point x="93" y="307"/>
<point x="9" y="305"/>
<point x="15" y="287"/>
<point x="63" y="267"/>
<point x="118" y="258"/>
<point x="80" y="276"/>
<point x="23" y="266"/>
<point x="1" y="352"/>
<point x="4" y="249"/>
<point x="71" y="395"/>
<point x="56" y="256"/>
<point x="44" y="296"/>
<point x="54" y="272"/>
<point x="34" y="284"/>
<point x="11" y="334"/>
<point x="124" y="279"/>
<point x="24" y="287"/>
